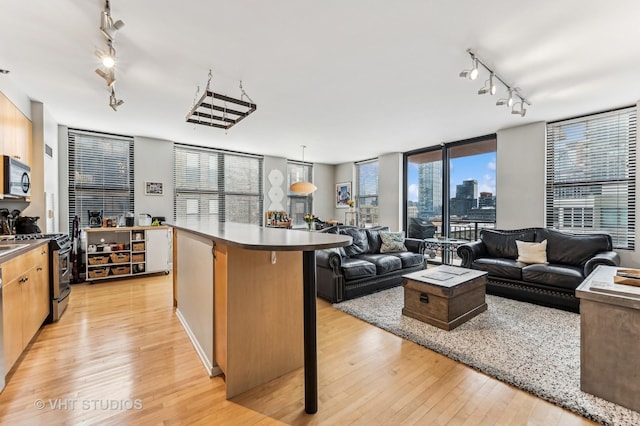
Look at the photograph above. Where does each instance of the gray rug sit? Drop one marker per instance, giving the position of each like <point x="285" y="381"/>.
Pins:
<point x="531" y="347"/>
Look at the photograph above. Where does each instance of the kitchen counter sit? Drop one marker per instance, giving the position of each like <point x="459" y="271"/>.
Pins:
<point x="16" y="248"/>
<point x="124" y="228"/>
<point x="246" y="295"/>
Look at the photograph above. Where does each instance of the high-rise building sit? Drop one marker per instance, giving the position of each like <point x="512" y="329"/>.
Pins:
<point x="486" y="200"/>
<point x="466" y="198"/>
<point x="430" y="189"/>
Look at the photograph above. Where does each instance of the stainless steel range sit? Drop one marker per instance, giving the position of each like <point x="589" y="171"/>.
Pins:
<point x="59" y="269"/>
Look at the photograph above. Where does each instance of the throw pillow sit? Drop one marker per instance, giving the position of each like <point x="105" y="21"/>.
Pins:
<point x="392" y="242"/>
<point x="532" y="252"/>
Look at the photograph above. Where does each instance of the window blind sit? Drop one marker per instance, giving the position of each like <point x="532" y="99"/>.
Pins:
<point x="591" y="175"/>
<point x="297" y="204"/>
<point x="217" y="185"/>
<point x="100" y="175"/>
<point x="367" y="198"/>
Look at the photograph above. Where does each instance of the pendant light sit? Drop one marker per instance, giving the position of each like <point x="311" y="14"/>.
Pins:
<point x="303" y="187"/>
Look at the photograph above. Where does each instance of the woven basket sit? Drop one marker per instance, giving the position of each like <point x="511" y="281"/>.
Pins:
<point x="119" y="257"/>
<point x="120" y="270"/>
<point x="137" y="257"/>
<point x="98" y="260"/>
<point x="98" y="273"/>
<point x="137" y="247"/>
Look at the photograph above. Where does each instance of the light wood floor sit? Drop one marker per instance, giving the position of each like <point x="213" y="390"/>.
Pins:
<point x="120" y="341"/>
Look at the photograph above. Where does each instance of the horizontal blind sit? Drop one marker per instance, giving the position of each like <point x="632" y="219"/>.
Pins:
<point x="217" y="185"/>
<point x="101" y="175"/>
<point x="298" y="205"/>
<point x="591" y="175"/>
<point x="367" y="198"/>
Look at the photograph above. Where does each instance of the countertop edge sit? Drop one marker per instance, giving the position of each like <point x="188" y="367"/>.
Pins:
<point x="31" y="245"/>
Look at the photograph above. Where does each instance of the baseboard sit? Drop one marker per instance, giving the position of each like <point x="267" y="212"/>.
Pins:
<point x="212" y="370"/>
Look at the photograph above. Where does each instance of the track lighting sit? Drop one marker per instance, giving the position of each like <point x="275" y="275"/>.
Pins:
<point x="108" y="59"/>
<point x="108" y="76"/>
<point x="491" y="87"/>
<point x="522" y="111"/>
<point x="508" y="101"/>
<point x="107" y="26"/>
<point x="472" y="73"/>
<point x="113" y="102"/>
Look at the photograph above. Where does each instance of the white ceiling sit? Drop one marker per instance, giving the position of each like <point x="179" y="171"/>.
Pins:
<point x="349" y="79"/>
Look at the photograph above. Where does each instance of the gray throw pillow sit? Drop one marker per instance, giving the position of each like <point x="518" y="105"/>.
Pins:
<point x="392" y="242"/>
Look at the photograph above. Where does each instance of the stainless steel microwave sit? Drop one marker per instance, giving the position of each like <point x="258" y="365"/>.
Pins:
<point x="17" y="178"/>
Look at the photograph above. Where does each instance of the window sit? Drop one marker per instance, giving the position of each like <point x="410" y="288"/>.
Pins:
<point x="100" y="175"/>
<point x="367" y="196"/>
<point x="214" y="185"/>
<point x="591" y="175"/>
<point x="298" y="205"/>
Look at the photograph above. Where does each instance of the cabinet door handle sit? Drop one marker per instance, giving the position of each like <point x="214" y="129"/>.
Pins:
<point x="39" y="268"/>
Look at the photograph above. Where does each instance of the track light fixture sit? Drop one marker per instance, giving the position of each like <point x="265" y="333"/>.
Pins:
<point x="108" y="76"/>
<point x="472" y="73"/>
<point x="522" y="111"/>
<point x="107" y="25"/>
<point x="108" y="58"/>
<point x="113" y="102"/>
<point x="491" y="88"/>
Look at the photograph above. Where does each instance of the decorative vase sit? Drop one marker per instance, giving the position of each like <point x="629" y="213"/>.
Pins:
<point x="309" y="226"/>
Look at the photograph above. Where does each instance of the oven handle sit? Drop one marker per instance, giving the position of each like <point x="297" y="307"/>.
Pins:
<point x="63" y="252"/>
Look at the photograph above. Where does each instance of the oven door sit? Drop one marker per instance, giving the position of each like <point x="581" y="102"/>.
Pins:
<point x="61" y="273"/>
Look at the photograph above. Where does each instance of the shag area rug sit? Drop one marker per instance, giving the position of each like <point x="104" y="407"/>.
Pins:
<point x="534" y="348"/>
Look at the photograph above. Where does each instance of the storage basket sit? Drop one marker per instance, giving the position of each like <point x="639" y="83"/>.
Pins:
<point x="120" y="270"/>
<point x="137" y="247"/>
<point x="137" y="257"/>
<point x="98" y="272"/>
<point x="119" y="257"/>
<point x="98" y="260"/>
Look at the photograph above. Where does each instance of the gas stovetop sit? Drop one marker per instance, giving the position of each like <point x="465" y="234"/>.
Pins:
<point x="61" y="240"/>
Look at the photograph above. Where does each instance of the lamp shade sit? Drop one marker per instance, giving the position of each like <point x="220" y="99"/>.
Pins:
<point x="303" y="188"/>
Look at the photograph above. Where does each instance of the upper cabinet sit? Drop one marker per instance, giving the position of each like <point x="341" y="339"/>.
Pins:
<point x="15" y="132"/>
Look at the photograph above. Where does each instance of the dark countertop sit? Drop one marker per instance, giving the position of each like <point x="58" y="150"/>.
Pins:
<point x="254" y="237"/>
<point x="25" y="246"/>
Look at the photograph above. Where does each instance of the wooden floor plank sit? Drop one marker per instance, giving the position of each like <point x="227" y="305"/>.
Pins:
<point x="121" y="341"/>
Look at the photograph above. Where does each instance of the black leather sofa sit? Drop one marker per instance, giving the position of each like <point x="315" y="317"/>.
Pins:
<point x="571" y="257"/>
<point x="347" y="272"/>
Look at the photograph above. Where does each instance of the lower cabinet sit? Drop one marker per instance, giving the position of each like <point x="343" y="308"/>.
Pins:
<point x="25" y="300"/>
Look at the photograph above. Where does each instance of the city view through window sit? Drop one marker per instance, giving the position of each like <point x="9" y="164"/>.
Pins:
<point x="469" y="188"/>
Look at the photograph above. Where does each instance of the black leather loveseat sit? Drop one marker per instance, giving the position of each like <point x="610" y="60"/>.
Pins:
<point x="570" y="257"/>
<point x="348" y="272"/>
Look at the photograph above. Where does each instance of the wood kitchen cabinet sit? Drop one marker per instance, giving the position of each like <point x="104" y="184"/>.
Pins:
<point x="25" y="300"/>
<point x="15" y="132"/>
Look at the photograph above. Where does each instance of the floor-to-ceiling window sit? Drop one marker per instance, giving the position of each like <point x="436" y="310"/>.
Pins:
<point x="450" y="190"/>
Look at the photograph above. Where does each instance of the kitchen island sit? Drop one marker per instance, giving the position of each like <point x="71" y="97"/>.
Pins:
<point x="246" y="296"/>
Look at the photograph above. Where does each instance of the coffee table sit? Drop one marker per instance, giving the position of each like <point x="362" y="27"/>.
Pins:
<point x="444" y="296"/>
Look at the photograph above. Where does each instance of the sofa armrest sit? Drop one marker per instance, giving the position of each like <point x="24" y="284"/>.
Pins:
<point x="415" y="245"/>
<point x="609" y="258"/>
<point x="330" y="259"/>
<point x="470" y="251"/>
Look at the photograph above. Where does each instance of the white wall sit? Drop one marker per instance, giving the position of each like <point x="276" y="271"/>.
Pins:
<point x="153" y="162"/>
<point x="324" y="199"/>
<point x="520" y="177"/>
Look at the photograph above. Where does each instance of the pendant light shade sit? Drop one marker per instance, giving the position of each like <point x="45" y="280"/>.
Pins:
<point x="302" y="187"/>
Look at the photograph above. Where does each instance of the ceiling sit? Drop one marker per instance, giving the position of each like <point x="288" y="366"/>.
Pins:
<point x="350" y="80"/>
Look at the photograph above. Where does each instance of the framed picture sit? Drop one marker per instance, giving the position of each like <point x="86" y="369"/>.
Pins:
<point x="153" y="188"/>
<point x="343" y="194"/>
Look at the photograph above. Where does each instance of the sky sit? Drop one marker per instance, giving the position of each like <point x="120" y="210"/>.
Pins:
<point x="480" y="167"/>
